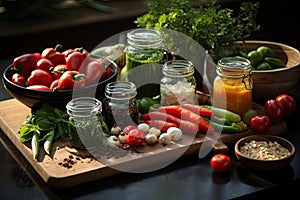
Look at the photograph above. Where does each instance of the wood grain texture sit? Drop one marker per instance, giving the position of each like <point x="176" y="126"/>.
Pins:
<point x="13" y="114"/>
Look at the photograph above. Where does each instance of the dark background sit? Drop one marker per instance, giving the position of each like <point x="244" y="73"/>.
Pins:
<point x="279" y="22"/>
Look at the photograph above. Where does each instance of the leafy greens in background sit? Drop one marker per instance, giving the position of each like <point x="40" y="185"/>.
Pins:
<point x="214" y="27"/>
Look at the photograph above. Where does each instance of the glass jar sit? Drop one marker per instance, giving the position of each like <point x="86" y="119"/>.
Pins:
<point x="145" y="46"/>
<point x="178" y="85"/>
<point x="86" y="114"/>
<point x="233" y="85"/>
<point x="120" y="104"/>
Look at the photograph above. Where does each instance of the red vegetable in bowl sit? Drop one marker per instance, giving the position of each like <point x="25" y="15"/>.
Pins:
<point x="18" y="79"/>
<point x="70" y="79"/>
<point x="25" y="63"/>
<point x="74" y="61"/>
<point x="54" y="55"/>
<point x="39" y="77"/>
<point x="94" y="71"/>
<point x="44" y="64"/>
<point x="38" y="87"/>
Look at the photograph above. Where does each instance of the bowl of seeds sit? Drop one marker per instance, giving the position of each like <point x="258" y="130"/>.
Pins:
<point x="264" y="152"/>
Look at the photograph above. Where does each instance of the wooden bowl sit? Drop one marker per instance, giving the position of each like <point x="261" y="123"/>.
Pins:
<point x="267" y="84"/>
<point x="264" y="165"/>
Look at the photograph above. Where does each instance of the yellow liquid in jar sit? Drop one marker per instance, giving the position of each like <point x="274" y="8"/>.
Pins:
<point x="232" y="95"/>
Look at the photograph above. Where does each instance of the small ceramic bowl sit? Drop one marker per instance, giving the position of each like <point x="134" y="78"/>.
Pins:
<point x="261" y="163"/>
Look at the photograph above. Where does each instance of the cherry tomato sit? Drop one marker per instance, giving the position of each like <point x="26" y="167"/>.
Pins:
<point x="18" y="79"/>
<point x="128" y="128"/>
<point x="39" y="77"/>
<point x="260" y="122"/>
<point x="289" y="104"/>
<point x="274" y="110"/>
<point x="74" y="61"/>
<point x="135" y="137"/>
<point x="94" y="71"/>
<point x="44" y="64"/>
<point x="220" y="162"/>
<point x="70" y="80"/>
<point x="38" y="87"/>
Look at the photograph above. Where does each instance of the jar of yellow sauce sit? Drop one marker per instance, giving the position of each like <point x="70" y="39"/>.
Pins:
<point x="233" y="85"/>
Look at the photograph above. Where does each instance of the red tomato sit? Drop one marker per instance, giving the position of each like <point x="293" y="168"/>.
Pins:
<point x="44" y="64"/>
<point x="135" y="137"/>
<point x="274" y="110"/>
<point x="220" y="162"/>
<point x="39" y="77"/>
<point x="38" y="87"/>
<point x="18" y="79"/>
<point x="128" y="128"/>
<point x="70" y="80"/>
<point x="260" y="122"/>
<point x="74" y="61"/>
<point x="94" y="71"/>
<point x="289" y="104"/>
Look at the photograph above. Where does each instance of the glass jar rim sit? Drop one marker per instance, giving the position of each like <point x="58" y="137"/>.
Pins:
<point x="120" y="90"/>
<point x="233" y="67"/>
<point x="178" y="68"/>
<point x="145" y="38"/>
<point x="82" y="105"/>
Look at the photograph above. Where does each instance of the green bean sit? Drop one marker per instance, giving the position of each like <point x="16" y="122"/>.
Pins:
<point x="48" y="142"/>
<point x="35" y="145"/>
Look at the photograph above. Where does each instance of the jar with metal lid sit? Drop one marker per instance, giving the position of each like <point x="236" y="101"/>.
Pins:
<point x="86" y="114"/>
<point x="145" y="49"/>
<point x="120" y="104"/>
<point x="233" y="85"/>
<point x="178" y="85"/>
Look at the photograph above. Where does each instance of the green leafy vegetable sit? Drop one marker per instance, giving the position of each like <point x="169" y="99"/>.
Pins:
<point x="45" y="125"/>
<point x="214" y="27"/>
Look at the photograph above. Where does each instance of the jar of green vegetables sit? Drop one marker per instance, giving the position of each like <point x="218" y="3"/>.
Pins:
<point x="144" y="49"/>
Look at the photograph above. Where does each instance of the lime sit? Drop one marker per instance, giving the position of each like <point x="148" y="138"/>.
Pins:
<point x="247" y="115"/>
<point x="255" y="57"/>
<point x="264" y="66"/>
<point x="266" y="51"/>
<point x="145" y="103"/>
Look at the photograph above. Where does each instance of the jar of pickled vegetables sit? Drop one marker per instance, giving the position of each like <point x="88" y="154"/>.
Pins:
<point x="86" y="114"/>
<point x="145" y="49"/>
<point x="120" y="104"/>
<point x="233" y="85"/>
<point x="178" y="85"/>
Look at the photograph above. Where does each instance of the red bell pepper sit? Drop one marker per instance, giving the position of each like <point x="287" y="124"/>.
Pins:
<point x="25" y="63"/>
<point x="18" y="79"/>
<point x="54" y="55"/>
<point x="70" y="80"/>
<point x="74" y="61"/>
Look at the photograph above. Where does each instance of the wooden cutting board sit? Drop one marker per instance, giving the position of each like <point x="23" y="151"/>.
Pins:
<point x="63" y="169"/>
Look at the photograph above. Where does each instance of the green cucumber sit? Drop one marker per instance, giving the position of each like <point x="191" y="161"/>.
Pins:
<point x="223" y="113"/>
<point x="222" y="128"/>
<point x="274" y="62"/>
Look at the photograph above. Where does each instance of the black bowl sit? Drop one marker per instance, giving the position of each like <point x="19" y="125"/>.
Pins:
<point x="59" y="99"/>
